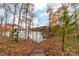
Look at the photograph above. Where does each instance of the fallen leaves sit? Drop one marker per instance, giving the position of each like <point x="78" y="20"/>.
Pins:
<point x="21" y="48"/>
<point x="50" y="47"/>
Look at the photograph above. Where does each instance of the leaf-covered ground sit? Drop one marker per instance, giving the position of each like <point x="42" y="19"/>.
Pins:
<point x="53" y="47"/>
<point x="9" y="47"/>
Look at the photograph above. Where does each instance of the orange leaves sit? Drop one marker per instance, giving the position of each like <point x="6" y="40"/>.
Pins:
<point x="51" y="47"/>
<point x="23" y="47"/>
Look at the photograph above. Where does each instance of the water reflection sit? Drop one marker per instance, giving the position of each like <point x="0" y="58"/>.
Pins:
<point x="36" y="36"/>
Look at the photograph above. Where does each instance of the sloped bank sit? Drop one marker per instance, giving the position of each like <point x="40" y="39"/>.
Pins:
<point x="51" y="47"/>
<point x="21" y="48"/>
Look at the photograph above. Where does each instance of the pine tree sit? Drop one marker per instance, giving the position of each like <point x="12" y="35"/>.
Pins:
<point x="67" y="26"/>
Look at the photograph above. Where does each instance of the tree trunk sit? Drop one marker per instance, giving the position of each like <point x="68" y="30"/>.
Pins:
<point x="76" y="20"/>
<point x="1" y="27"/>
<point x="5" y="24"/>
<point x="5" y="8"/>
<point x="19" y="20"/>
<point x="63" y="36"/>
<point x="26" y="26"/>
<point x="14" y="17"/>
<point x="32" y="31"/>
<point x="29" y="28"/>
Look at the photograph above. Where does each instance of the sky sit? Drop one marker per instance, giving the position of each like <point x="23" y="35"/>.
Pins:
<point x="40" y="11"/>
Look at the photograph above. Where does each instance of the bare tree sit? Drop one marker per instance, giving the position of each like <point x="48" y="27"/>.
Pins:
<point x="49" y="11"/>
<point x="15" y="5"/>
<point x="19" y="19"/>
<point x="27" y="8"/>
<point x="6" y="10"/>
<point x="1" y="21"/>
<point x="26" y="11"/>
<point x="74" y="5"/>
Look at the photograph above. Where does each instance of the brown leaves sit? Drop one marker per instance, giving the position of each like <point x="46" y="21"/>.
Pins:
<point x="51" y="47"/>
<point x="23" y="47"/>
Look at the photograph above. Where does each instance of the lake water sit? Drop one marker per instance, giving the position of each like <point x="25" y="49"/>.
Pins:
<point x="36" y="36"/>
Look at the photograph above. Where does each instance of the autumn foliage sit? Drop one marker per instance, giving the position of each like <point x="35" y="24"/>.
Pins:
<point x="10" y="47"/>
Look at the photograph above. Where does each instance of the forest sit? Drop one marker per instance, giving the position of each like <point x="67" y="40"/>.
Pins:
<point x="27" y="29"/>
